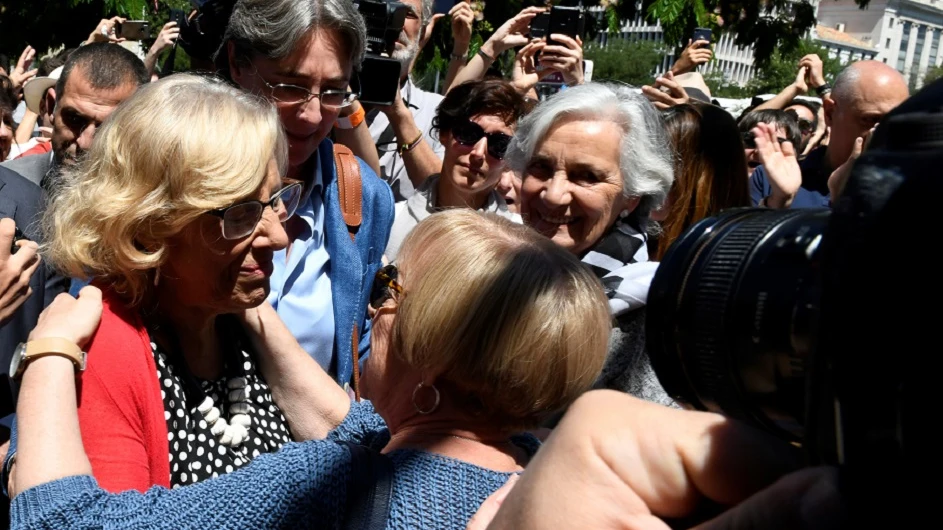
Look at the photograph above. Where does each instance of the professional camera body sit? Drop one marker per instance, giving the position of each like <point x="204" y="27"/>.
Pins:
<point x="380" y="74"/>
<point x="202" y="34"/>
<point x="809" y="323"/>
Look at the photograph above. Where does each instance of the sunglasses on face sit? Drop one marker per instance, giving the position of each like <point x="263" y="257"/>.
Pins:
<point x="749" y="142"/>
<point x="240" y="220"/>
<point x="384" y="285"/>
<point x="470" y="133"/>
<point x="805" y="126"/>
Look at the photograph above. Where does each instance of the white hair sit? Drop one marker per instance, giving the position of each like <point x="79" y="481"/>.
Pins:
<point x="646" y="155"/>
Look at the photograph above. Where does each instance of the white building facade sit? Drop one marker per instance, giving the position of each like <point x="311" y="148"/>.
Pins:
<point x="905" y="33"/>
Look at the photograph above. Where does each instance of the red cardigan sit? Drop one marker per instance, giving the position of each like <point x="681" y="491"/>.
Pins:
<point x="121" y="411"/>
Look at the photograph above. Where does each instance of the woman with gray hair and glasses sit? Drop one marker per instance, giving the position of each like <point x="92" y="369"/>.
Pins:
<point x="595" y="162"/>
<point x="301" y="56"/>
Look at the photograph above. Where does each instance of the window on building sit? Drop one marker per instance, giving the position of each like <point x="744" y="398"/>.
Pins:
<point x="934" y="47"/>
<point x="890" y="22"/>
<point x="904" y="43"/>
<point x="918" y="48"/>
<point x="888" y="43"/>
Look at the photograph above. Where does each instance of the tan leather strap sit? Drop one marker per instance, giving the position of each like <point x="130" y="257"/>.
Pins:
<point x="351" y="188"/>
<point x="355" y="344"/>
<point x="351" y="197"/>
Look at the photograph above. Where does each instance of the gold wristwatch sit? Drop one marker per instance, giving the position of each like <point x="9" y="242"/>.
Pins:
<point x="27" y="352"/>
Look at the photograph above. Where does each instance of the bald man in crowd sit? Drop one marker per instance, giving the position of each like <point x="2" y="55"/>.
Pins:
<point x="863" y="94"/>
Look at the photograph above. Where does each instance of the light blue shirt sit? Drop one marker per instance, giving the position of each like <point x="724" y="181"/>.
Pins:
<point x="301" y="282"/>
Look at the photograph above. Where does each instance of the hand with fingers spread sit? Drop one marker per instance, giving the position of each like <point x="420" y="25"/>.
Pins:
<point x="694" y="55"/>
<point x="105" y="31"/>
<point x="566" y="57"/>
<point x="781" y="164"/>
<point x="20" y="75"/>
<point x="666" y="92"/>
<point x="462" y="19"/>
<point x="525" y="74"/>
<point x="512" y="33"/>
<point x="16" y="269"/>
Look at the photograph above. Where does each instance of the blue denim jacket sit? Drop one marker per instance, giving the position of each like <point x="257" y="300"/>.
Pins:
<point x="353" y="263"/>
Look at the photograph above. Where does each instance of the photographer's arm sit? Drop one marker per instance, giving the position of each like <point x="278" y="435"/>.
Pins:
<point x="418" y="157"/>
<point x="511" y="34"/>
<point x="462" y="18"/>
<point x="358" y="137"/>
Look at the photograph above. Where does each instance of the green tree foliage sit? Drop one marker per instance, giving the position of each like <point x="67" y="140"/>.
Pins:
<point x="781" y="69"/>
<point x="769" y="25"/>
<point x="631" y="62"/>
<point x="933" y="73"/>
<point x="47" y="25"/>
<point x="721" y="87"/>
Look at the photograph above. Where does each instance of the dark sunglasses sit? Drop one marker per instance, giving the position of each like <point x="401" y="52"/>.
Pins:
<point x="805" y="126"/>
<point x="749" y="142"/>
<point x="470" y="133"/>
<point x="384" y="285"/>
<point x="240" y="220"/>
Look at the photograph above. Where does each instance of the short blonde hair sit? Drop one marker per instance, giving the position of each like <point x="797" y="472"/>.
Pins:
<point x="500" y="313"/>
<point x="174" y="150"/>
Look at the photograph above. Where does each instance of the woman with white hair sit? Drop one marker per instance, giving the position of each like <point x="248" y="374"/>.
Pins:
<point x="595" y="162"/>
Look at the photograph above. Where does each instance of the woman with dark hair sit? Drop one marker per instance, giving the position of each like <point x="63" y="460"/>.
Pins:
<point x="475" y="123"/>
<point x="709" y="168"/>
<point x="7" y="127"/>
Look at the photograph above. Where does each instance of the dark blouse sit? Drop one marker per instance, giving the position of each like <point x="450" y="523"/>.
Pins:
<point x="196" y="454"/>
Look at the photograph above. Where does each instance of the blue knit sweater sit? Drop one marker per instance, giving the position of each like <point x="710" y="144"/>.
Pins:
<point x="302" y="486"/>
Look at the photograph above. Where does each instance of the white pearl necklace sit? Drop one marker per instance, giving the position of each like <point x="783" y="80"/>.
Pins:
<point x="236" y="430"/>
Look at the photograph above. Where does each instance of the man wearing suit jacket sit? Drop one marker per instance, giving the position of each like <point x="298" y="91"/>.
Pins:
<point x="21" y="201"/>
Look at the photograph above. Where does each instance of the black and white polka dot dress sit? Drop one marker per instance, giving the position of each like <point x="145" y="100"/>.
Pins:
<point x="196" y="454"/>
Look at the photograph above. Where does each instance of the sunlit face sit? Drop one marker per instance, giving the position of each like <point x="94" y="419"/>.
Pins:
<point x="221" y="275"/>
<point x="470" y="168"/>
<point x="80" y="113"/>
<point x="572" y="189"/>
<point x="407" y="46"/>
<point x="319" y="62"/>
<point x="753" y="158"/>
<point x="861" y="110"/>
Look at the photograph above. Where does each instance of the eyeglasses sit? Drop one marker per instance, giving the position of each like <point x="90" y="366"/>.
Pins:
<point x="240" y="220"/>
<point x="469" y="133"/>
<point x="384" y="285"/>
<point x="805" y="126"/>
<point x="749" y="142"/>
<point x="295" y="95"/>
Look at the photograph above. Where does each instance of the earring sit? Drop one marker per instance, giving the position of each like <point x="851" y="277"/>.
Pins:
<point x="156" y="277"/>
<point x="623" y="214"/>
<point x="435" y="405"/>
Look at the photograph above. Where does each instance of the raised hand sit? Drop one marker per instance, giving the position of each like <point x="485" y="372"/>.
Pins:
<point x="694" y="55"/>
<point x="20" y="75"/>
<point x="566" y="57"/>
<point x="674" y="94"/>
<point x="781" y="164"/>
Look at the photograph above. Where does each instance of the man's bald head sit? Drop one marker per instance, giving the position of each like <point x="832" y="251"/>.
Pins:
<point x="862" y="94"/>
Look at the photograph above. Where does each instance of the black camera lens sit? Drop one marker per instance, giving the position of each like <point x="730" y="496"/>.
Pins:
<point x="731" y="315"/>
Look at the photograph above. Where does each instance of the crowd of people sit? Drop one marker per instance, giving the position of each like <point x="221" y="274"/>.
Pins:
<point x="273" y="283"/>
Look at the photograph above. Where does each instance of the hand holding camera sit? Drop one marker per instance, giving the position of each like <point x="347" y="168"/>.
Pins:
<point x="512" y="34"/>
<point x="697" y="52"/>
